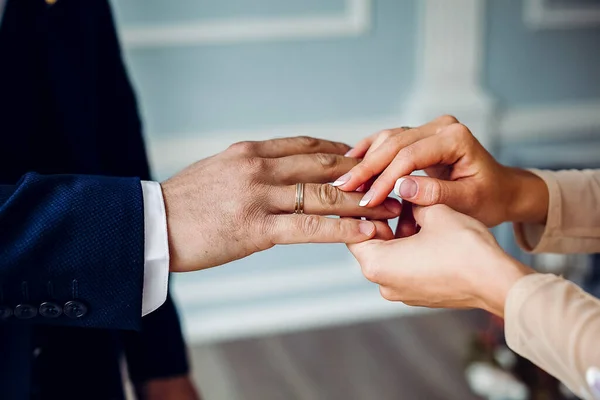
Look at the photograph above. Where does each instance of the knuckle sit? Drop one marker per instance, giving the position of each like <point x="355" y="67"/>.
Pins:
<point x="244" y="148"/>
<point x="448" y="119"/>
<point x="406" y="158"/>
<point x="255" y="165"/>
<point x="387" y="293"/>
<point x="309" y="225"/>
<point x="406" y="153"/>
<point x="307" y="141"/>
<point x="434" y="193"/>
<point x="365" y="169"/>
<point x="396" y="141"/>
<point x="371" y="271"/>
<point x="460" y="132"/>
<point x="326" y="160"/>
<point x="328" y="195"/>
<point x="386" y="133"/>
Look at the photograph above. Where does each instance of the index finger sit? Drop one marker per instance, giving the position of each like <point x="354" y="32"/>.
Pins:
<point x="361" y="148"/>
<point x="443" y="149"/>
<point x="378" y="159"/>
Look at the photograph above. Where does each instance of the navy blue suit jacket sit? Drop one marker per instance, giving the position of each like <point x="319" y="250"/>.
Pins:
<point x="72" y="243"/>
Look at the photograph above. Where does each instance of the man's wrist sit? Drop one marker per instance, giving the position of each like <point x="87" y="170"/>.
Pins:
<point x="529" y="197"/>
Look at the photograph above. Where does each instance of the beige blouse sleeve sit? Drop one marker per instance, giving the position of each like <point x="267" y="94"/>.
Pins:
<point x="556" y="325"/>
<point x="548" y="320"/>
<point x="573" y="224"/>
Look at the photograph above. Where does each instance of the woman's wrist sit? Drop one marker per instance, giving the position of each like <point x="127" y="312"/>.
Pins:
<point x="529" y="197"/>
<point x="505" y="273"/>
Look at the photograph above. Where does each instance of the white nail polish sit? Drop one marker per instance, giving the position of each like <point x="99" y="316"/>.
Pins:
<point x="367" y="198"/>
<point x="593" y="380"/>
<point x="397" y="186"/>
<point x="341" y="180"/>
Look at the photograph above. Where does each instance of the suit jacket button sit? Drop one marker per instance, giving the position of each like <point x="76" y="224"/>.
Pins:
<point x="25" y="311"/>
<point x="75" y="309"/>
<point x="5" y="312"/>
<point x="49" y="309"/>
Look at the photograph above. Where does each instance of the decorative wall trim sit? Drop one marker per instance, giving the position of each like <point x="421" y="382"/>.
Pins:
<point x="449" y="68"/>
<point x="171" y="152"/>
<point x="175" y="151"/>
<point x="551" y="121"/>
<point x="354" y="21"/>
<point x="243" y="319"/>
<point x="539" y="14"/>
<point x="250" y="286"/>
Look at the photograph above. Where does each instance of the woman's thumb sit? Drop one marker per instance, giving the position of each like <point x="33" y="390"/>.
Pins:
<point x="426" y="191"/>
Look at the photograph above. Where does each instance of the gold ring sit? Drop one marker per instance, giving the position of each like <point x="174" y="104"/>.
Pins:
<point x="299" y="206"/>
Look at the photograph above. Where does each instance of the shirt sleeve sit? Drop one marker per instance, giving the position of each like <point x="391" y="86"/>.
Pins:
<point x="156" y="248"/>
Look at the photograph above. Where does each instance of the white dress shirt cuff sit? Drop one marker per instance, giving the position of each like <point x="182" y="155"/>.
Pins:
<point x="156" y="248"/>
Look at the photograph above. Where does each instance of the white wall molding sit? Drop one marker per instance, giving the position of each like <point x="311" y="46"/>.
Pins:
<point x="449" y="65"/>
<point x="171" y="152"/>
<point x="243" y="318"/>
<point x="354" y="21"/>
<point x="539" y="14"/>
<point x="558" y="120"/>
<point x="251" y="286"/>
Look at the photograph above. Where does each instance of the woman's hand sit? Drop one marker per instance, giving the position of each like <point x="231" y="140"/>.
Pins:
<point x="452" y="262"/>
<point x="461" y="174"/>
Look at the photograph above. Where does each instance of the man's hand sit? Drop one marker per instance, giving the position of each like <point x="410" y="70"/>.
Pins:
<point x="241" y="201"/>
<point x="452" y="262"/>
<point x="175" y="388"/>
<point x="461" y="174"/>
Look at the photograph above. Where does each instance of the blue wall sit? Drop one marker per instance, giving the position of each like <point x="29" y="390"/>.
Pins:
<point x="524" y="67"/>
<point x="193" y="89"/>
<point x="253" y="85"/>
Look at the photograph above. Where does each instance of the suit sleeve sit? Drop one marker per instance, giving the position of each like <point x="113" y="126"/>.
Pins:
<point x="158" y="350"/>
<point x="72" y="251"/>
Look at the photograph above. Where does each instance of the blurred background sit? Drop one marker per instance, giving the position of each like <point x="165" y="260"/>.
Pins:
<point x="301" y="322"/>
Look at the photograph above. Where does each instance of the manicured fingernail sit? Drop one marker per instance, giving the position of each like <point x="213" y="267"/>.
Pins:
<point x="367" y="198"/>
<point x="342" y="179"/>
<point x="366" y="228"/>
<point x="406" y="188"/>
<point x="348" y="153"/>
<point x="593" y="380"/>
<point x="392" y="206"/>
